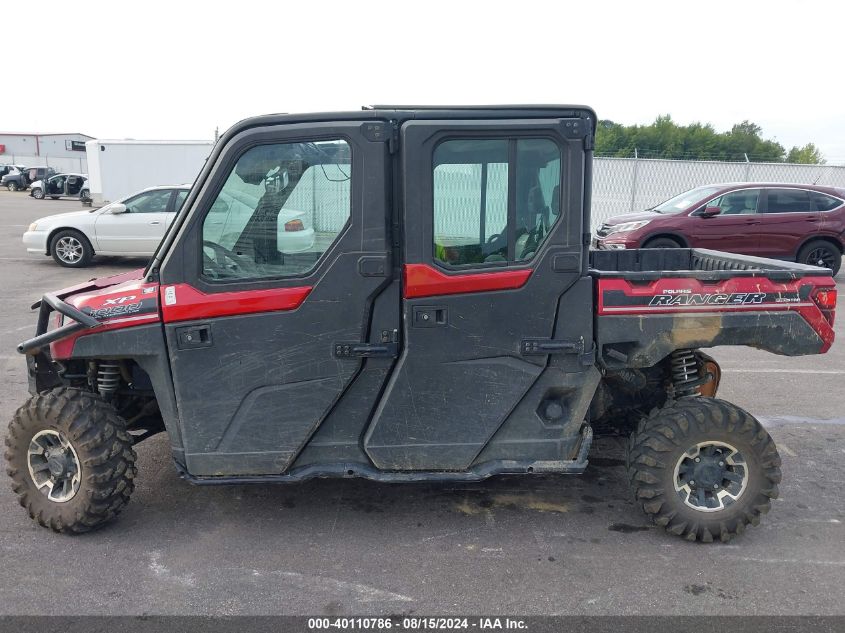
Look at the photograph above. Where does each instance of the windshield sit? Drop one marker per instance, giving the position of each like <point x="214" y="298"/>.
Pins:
<point x="685" y="200"/>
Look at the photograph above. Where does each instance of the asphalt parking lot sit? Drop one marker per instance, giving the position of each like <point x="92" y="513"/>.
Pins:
<point x="541" y="545"/>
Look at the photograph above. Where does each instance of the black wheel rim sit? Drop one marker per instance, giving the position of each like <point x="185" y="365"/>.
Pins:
<point x="821" y="256"/>
<point x="710" y="476"/>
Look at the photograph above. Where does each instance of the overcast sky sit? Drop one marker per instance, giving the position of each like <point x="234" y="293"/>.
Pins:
<point x="176" y="70"/>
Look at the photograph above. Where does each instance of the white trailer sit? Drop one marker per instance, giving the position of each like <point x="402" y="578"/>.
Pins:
<point x="119" y="168"/>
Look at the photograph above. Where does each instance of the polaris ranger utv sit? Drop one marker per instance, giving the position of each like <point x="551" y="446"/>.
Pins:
<point x="448" y="322"/>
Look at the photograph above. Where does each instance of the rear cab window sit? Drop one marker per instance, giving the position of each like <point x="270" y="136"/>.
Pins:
<point x="495" y="200"/>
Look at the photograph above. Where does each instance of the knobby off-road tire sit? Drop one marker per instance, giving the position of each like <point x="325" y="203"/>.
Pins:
<point x="92" y="435"/>
<point x="726" y="446"/>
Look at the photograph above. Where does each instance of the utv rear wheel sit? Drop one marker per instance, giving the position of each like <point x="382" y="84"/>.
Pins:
<point x="70" y="459"/>
<point x="71" y="249"/>
<point x="38" y="193"/>
<point x="821" y="253"/>
<point x="703" y="468"/>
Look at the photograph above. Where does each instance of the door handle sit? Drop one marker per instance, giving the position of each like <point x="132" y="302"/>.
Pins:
<point x="429" y="316"/>
<point x="155" y="222"/>
<point x="750" y="222"/>
<point x="812" y="219"/>
<point x="193" y="337"/>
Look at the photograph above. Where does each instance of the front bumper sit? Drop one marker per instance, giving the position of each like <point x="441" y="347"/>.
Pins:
<point x="36" y="242"/>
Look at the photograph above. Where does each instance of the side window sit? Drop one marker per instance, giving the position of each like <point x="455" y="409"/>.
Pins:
<point x="788" y="201"/>
<point x="824" y="202"/>
<point x="737" y="202"/>
<point x="280" y="209"/>
<point x="473" y="202"/>
<point x="149" y="202"/>
<point x="181" y="194"/>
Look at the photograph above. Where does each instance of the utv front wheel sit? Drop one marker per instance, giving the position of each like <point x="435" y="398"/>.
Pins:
<point x="70" y="459"/>
<point x="703" y="468"/>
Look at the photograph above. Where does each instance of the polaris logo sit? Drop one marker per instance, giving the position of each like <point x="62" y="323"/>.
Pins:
<point x="734" y="299"/>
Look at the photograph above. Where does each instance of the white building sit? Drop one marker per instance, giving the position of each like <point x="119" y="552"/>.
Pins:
<point x="64" y="152"/>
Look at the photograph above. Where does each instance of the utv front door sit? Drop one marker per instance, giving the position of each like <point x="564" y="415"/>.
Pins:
<point x="270" y="341"/>
<point x="494" y="284"/>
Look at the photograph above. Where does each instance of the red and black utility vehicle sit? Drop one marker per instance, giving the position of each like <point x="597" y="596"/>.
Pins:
<point x="449" y="322"/>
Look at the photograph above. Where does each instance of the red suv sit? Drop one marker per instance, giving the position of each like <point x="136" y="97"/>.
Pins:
<point x="804" y="223"/>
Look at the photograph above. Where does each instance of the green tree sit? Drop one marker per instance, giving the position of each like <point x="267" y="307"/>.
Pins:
<point x="807" y="155"/>
<point x="698" y="141"/>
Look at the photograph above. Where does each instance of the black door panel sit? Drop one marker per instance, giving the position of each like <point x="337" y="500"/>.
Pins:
<point x="251" y="399"/>
<point x="463" y="370"/>
<point x="439" y="415"/>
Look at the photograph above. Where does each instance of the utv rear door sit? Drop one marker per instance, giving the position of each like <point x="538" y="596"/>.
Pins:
<point x="272" y="325"/>
<point x="493" y="285"/>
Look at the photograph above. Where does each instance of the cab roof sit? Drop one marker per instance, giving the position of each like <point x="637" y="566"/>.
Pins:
<point x="403" y="113"/>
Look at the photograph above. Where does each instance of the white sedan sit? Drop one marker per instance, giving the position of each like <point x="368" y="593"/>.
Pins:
<point x="134" y="226"/>
<point x="131" y="226"/>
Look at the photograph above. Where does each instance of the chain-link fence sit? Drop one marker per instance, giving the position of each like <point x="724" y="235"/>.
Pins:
<point x="624" y="185"/>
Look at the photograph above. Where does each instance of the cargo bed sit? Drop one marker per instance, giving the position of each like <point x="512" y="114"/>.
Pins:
<point x="650" y="302"/>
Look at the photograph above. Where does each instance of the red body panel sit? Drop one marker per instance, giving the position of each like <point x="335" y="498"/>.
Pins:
<point x="182" y="302"/>
<point x="686" y="295"/>
<point x="422" y="280"/>
<point x="116" y="306"/>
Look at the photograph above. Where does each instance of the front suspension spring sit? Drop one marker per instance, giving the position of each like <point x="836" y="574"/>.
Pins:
<point x="108" y="378"/>
<point x="685" y="378"/>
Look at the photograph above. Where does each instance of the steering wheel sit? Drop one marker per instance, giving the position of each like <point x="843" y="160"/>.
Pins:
<point x="221" y="254"/>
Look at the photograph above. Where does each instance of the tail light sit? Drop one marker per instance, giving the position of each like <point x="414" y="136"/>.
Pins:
<point x="825" y="298"/>
<point x="296" y="225"/>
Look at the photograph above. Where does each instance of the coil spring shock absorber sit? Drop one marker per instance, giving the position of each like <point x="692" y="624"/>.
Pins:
<point x="685" y="378"/>
<point x="108" y="378"/>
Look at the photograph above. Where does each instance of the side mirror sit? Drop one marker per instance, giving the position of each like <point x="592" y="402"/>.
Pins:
<point x="118" y="208"/>
<point x="709" y="212"/>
